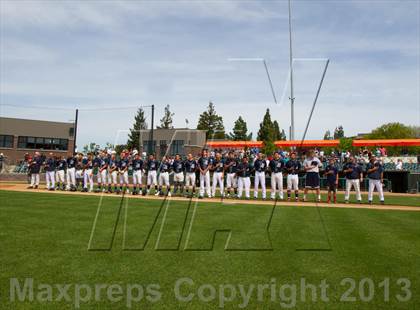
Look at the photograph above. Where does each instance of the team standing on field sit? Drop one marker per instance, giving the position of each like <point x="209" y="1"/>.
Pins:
<point x="230" y="174"/>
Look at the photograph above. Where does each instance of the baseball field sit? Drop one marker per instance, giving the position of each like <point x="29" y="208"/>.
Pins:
<point x="93" y="251"/>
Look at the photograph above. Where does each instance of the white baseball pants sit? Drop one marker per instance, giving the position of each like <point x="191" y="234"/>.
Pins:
<point x="124" y="178"/>
<point x="50" y="179"/>
<point x="205" y="184"/>
<point x="152" y="177"/>
<point x="244" y="182"/>
<point x="137" y="174"/>
<point x="164" y="179"/>
<point x="372" y="184"/>
<point x="190" y="179"/>
<point x="59" y="176"/>
<point x="218" y="179"/>
<point x="88" y="177"/>
<point x="259" y="178"/>
<point x="352" y="183"/>
<point x="231" y="180"/>
<point x="34" y="179"/>
<point x="71" y="177"/>
<point x="277" y="185"/>
<point x="102" y="176"/>
<point x="292" y="182"/>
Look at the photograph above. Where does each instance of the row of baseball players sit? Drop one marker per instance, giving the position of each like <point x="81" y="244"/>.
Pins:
<point x="112" y="174"/>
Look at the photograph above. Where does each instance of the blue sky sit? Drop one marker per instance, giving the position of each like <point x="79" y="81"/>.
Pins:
<point x="102" y="54"/>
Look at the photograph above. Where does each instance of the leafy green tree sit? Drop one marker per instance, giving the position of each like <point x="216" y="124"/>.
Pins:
<point x="212" y="123"/>
<point x="346" y="144"/>
<point x="327" y="135"/>
<point x="90" y="148"/>
<point x="166" y="120"/>
<point x="338" y="132"/>
<point x="134" y="135"/>
<point x="240" y="131"/>
<point x="393" y="131"/>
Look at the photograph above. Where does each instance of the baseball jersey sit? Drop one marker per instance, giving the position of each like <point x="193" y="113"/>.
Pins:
<point x="87" y="164"/>
<point x="112" y="164"/>
<point x="244" y="170"/>
<point x="178" y="166"/>
<point x="165" y="166"/>
<point x="375" y="175"/>
<point x="50" y="164"/>
<point x="71" y="162"/>
<point x="137" y="164"/>
<point x="353" y="175"/>
<point x="61" y="164"/>
<point x="190" y="166"/>
<point x="276" y="165"/>
<point x="35" y="165"/>
<point x="231" y="165"/>
<point x="293" y="166"/>
<point x="331" y="178"/>
<point x="218" y="165"/>
<point x="152" y="165"/>
<point x="103" y="162"/>
<point x="123" y="164"/>
<point x="313" y="163"/>
<point x="260" y="165"/>
<point x="204" y="162"/>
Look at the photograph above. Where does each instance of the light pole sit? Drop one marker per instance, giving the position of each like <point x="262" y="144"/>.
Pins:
<point x="292" y="98"/>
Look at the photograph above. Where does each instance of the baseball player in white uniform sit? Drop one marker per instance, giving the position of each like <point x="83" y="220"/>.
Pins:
<point x="260" y="166"/>
<point x="217" y="167"/>
<point x="276" y="167"/>
<point x="152" y="166"/>
<point x="203" y="167"/>
<point x="190" y="169"/>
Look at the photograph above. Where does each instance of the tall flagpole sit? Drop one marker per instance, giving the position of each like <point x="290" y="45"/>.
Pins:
<point x="292" y="98"/>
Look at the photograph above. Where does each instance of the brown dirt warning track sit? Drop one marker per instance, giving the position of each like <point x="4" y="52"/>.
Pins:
<point x="21" y="187"/>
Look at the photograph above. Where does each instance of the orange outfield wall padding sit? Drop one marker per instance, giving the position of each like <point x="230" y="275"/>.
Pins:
<point x="387" y="142"/>
<point x="314" y="143"/>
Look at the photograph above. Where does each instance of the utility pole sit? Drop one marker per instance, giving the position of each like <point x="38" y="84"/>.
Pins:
<point x="151" y="130"/>
<point x="292" y="98"/>
<point x="75" y="130"/>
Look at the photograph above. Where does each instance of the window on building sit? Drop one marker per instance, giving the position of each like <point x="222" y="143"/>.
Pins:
<point x="177" y="147"/>
<point x="6" y="141"/>
<point x="149" y="147"/>
<point x="163" y="147"/>
<point x="42" y="143"/>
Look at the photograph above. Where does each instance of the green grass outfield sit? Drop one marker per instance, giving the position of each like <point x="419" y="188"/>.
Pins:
<point x="46" y="237"/>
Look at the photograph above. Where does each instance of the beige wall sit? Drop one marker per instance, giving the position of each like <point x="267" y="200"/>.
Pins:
<point x="33" y="128"/>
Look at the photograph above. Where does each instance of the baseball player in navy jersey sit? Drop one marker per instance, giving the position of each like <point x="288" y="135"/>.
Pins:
<point x="34" y="169"/>
<point x="354" y="176"/>
<point x="331" y="172"/>
<point x="190" y="169"/>
<point x="375" y="174"/>
<point x="311" y="165"/>
<point x="112" y="172"/>
<point x="231" y="167"/>
<point x="71" y="172"/>
<point x="137" y="165"/>
<point x="244" y="174"/>
<point x="178" y="168"/>
<point x="164" y="170"/>
<point x="50" y="172"/>
<point x="152" y="166"/>
<point x="61" y="165"/>
<point x="217" y="167"/>
<point x="203" y="167"/>
<point x="292" y="167"/>
<point x="87" y="173"/>
<point x="79" y="171"/>
<point x="103" y="162"/>
<point x="260" y="166"/>
<point x="276" y="167"/>
<point x="123" y="164"/>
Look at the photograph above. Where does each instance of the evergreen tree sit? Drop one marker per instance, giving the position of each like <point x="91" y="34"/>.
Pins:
<point x="338" y="132"/>
<point x="134" y="135"/>
<point x="277" y="132"/>
<point x="240" y="131"/>
<point x="267" y="133"/>
<point x="327" y="135"/>
<point x="212" y="123"/>
<point x="166" y="120"/>
<point x="283" y="135"/>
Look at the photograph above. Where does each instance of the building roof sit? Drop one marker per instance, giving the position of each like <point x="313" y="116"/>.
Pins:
<point x="34" y="128"/>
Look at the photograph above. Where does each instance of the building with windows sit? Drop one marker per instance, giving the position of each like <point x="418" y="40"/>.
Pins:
<point x="172" y="141"/>
<point x="20" y="136"/>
